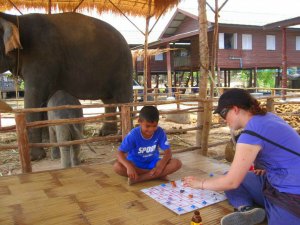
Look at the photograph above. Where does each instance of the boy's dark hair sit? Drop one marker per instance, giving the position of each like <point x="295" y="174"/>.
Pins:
<point x="149" y="113"/>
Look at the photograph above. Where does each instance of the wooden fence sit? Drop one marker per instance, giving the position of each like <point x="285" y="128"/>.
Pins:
<point x="126" y="113"/>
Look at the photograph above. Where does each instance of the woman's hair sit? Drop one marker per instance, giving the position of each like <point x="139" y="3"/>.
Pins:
<point x="242" y="99"/>
<point x="149" y="113"/>
<point x="255" y="107"/>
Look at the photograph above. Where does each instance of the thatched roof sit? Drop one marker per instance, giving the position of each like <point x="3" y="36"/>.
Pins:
<point x="129" y="7"/>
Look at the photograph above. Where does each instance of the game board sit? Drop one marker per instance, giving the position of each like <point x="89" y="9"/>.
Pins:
<point x="181" y="199"/>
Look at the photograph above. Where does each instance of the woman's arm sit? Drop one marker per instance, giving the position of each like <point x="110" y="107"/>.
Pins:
<point x="244" y="157"/>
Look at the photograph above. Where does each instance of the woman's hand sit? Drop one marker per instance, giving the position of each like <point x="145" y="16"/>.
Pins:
<point x="193" y="182"/>
<point x="259" y="172"/>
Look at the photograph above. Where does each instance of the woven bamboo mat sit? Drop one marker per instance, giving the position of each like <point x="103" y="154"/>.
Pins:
<point x="95" y="195"/>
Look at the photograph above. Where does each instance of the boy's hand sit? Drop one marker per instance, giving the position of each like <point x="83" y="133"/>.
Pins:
<point x="131" y="173"/>
<point x="156" y="170"/>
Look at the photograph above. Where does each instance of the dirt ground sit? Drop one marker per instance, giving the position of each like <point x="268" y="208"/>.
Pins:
<point x="106" y="150"/>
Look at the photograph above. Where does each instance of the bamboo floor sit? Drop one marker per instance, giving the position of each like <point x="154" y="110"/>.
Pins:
<point x="95" y="195"/>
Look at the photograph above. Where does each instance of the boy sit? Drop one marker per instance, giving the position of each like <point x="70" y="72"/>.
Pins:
<point x="138" y="156"/>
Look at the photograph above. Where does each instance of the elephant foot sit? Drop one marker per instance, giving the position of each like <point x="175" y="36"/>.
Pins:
<point x="108" y="129"/>
<point x="37" y="154"/>
<point x="55" y="153"/>
<point x="76" y="162"/>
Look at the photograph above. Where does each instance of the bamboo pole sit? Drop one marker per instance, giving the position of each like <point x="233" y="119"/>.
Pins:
<point x="204" y="68"/>
<point x="206" y="127"/>
<point x="23" y="143"/>
<point x="270" y="104"/>
<point x="146" y="53"/>
<point x="126" y="120"/>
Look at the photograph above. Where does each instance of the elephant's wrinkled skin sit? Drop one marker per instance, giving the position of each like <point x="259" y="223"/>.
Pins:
<point x="66" y="132"/>
<point x="84" y="56"/>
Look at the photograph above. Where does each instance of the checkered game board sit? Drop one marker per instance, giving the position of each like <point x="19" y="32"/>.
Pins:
<point x="181" y="199"/>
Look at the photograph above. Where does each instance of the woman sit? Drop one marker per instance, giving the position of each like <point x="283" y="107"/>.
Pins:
<point x="267" y="141"/>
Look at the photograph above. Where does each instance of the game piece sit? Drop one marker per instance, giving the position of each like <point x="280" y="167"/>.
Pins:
<point x="173" y="198"/>
<point x="181" y="191"/>
<point x="196" y="219"/>
<point x="173" y="183"/>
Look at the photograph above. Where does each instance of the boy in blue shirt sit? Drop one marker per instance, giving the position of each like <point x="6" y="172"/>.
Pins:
<point x="138" y="155"/>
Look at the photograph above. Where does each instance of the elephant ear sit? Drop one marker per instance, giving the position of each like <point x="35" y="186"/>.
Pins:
<point x="11" y="36"/>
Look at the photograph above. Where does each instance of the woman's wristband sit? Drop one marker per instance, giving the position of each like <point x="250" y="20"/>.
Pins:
<point x="202" y="184"/>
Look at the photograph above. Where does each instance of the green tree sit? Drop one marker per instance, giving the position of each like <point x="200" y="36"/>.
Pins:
<point x="266" y="78"/>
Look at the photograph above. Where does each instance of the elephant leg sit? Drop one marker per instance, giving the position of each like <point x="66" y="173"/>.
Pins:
<point x="109" y="127"/>
<point x="63" y="134"/>
<point x="75" y="150"/>
<point x="35" y="99"/>
<point x="55" y="152"/>
<point x="65" y="153"/>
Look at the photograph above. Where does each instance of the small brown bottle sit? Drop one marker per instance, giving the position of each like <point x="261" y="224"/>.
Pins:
<point x="196" y="219"/>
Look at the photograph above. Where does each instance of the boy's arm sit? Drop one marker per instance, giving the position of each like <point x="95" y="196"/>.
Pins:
<point x="161" y="164"/>
<point x="131" y="173"/>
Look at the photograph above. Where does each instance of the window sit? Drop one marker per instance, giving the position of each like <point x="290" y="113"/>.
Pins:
<point x="246" y="41"/>
<point x="271" y="42"/>
<point x="227" y="41"/>
<point x="159" y="57"/>
<point x="184" y="53"/>
<point x="297" y="42"/>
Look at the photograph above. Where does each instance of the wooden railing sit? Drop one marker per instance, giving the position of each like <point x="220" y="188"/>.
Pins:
<point x="126" y="114"/>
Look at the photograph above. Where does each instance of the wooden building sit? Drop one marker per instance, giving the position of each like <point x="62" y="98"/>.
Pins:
<point x="241" y="47"/>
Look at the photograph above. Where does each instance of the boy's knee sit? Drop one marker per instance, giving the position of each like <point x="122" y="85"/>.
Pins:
<point x="179" y="163"/>
<point x="117" y="167"/>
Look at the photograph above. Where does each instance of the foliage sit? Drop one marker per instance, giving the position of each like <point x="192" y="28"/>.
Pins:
<point x="265" y="78"/>
<point x="20" y="81"/>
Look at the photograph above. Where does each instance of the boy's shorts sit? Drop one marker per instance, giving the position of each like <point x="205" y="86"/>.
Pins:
<point x="146" y="165"/>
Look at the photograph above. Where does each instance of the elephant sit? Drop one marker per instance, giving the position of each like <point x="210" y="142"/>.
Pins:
<point x="81" y="55"/>
<point x="66" y="132"/>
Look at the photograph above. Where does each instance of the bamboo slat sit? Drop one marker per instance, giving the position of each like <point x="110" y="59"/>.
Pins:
<point x="94" y="194"/>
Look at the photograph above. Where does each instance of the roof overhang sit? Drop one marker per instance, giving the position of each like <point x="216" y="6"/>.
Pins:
<point x="283" y="23"/>
<point x="176" y="20"/>
<point x="130" y="7"/>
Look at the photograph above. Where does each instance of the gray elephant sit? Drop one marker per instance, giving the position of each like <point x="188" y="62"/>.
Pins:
<point x="84" y="56"/>
<point x="66" y="132"/>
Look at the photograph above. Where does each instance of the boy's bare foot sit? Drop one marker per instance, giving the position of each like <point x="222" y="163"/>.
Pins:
<point x="129" y="181"/>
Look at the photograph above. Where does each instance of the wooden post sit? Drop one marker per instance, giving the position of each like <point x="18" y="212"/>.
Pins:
<point x="169" y="75"/>
<point x="204" y="69"/>
<point x="177" y="96"/>
<point x="23" y="142"/>
<point x="135" y="98"/>
<point x="126" y="120"/>
<point x="207" y="108"/>
<point x="270" y="105"/>
<point x="156" y="90"/>
<point x="284" y="64"/>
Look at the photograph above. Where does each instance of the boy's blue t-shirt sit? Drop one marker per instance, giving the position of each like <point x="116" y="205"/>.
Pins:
<point x="282" y="167"/>
<point x="140" y="149"/>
